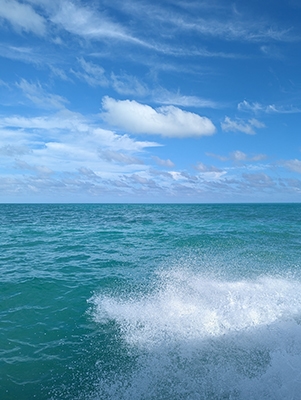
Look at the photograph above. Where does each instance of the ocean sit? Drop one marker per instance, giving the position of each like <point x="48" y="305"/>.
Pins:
<point x="150" y="301"/>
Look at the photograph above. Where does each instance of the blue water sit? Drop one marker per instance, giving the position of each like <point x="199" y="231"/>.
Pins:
<point x="150" y="301"/>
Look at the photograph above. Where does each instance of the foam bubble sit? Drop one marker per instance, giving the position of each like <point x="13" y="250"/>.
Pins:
<point x="203" y="338"/>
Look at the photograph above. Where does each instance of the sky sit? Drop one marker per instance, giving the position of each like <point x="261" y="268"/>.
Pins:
<point x="140" y="101"/>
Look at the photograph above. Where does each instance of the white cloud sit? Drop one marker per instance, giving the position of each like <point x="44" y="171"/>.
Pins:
<point x="240" y="29"/>
<point x="70" y="123"/>
<point x="260" y="180"/>
<point x="24" y="54"/>
<point x="206" y="168"/>
<point x="67" y="141"/>
<point x="39" y="169"/>
<point x="293" y="165"/>
<point x="40" y="97"/>
<point x="167" y="121"/>
<point x="209" y="172"/>
<point x="110" y="155"/>
<point x="164" y="163"/>
<point x="13" y="150"/>
<point x="22" y="17"/>
<point x="268" y="109"/>
<point x="87" y="23"/>
<point x="246" y="106"/>
<point x="241" y="126"/>
<point x="177" y="99"/>
<point x="229" y="22"/>
<point x="93" y="74"/>
<point x="59" y="73"/>
<point x="238" y="155"/>
<point x="62" y="120"/>
<point x="4" y="84"/>
<point x="127" y="84"/>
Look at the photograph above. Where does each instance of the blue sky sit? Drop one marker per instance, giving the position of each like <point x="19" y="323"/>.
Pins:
<point x="150" y="101"/>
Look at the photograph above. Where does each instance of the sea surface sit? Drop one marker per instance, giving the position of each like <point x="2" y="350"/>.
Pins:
<point x="145" y="302"/>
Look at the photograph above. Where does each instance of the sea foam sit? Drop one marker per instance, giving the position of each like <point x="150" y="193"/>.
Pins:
<point x="200" y="338"/>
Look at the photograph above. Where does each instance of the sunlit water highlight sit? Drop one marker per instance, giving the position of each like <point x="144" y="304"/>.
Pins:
<point x="150" y="302"/>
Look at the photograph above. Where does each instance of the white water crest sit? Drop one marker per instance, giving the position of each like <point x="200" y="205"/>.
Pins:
<point x="200" y="338"/>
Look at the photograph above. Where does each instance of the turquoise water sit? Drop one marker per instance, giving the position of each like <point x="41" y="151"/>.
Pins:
<point x="150" y="301"/>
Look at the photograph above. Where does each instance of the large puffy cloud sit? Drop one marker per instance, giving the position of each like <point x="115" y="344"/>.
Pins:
<point x="167" y="121"/>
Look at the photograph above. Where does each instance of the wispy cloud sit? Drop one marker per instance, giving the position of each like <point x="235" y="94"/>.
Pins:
<point x="39" y="96"/>
<point x="25" y="54"/>
<point x="240" y="30"/>
<point x="110" y="155"/>
<point x="85" y="22"/>
<point x="163" y="163"/>
<point x="4" y="84"/>
<point x="209" y="172"/>
<point x="239" y="125"/>
<point x="39" y="169"/>
<point x="12" y="150"/>
<point x="163" y="96"/>
<point x="22" y="17"/>
<point x="238" y="156"/>
<point x="128" y="85"/>
<point x="260" y="180"/>
<point x="293" y="165"/>
<point x="201" y="167"/>
<point x="91" y="73"/>
<point x="269" y="109"/>
<point x="219" y="20"/>
<point x="167" y="121"/>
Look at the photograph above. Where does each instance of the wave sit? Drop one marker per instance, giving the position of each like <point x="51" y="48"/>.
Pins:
<point x="191" y="337"/>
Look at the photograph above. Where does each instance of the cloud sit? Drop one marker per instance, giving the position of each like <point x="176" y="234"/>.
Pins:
<point x="168" y="121"/>
<point x="269" y="109"/>
<point x="87" y="23"/>
<point x="22" y="17"/>
<point x="241" y="126"/>
<point x="58" y="72"/>
<point x="206" y="168"/>
<point x="4" y="84"/>
<point x="24" y="54"/>
<point x="260" y="180"/>
<point x="93" y="74"/>
<point x="51" y="150"/>
<point x="40" y="97"/>
<point x="12" y="150"/>
<point x="209" y="172"/>
<point x="164" y="163"/>
<point x="119" y="157"/>
<point x="39" y="169"/>
<point x="238" y="155"/>
<point x="239" y="29"/>
<point x="177" y="99"/>
<point x="74" y="126"/>
<point x="128" y="85"/>
<point x="217" y="19"/>
<point x="272" y="52"/>
<point x="246" y="106"/>
<point x="293" y="165"/>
